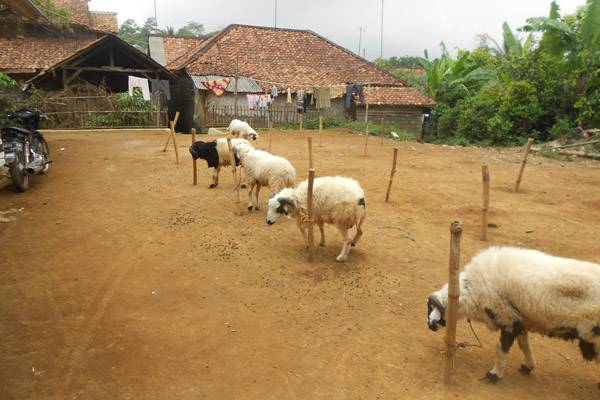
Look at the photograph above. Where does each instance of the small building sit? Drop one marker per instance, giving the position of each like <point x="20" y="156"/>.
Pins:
<point x="261" y="58"/>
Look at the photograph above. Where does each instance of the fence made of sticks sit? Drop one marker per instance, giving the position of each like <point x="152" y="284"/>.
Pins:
<point x="221" y="115"/>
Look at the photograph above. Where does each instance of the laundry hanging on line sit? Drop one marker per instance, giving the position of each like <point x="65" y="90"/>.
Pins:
<point x="142" y="84"/>
<point x="289" y="96"/>
<point x="354" y="93"/>
<point x="161" y="86"/>
<point x="323" y="97"/>
<point x="336" y="91"/>
<point x="217" y="86"/>
<point x="274" y="91"/>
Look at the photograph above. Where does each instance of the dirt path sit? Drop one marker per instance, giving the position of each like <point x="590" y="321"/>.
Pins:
<point x="121" y="280"/>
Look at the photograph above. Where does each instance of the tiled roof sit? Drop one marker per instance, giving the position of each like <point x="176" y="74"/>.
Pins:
<point x="177" y="46"/>
<point x="78" y="10"/>
<point x="405" y="96"/>
<point x="298" y="59"/>
<point x="30" y="54"/>
<point x="104" y="21"/>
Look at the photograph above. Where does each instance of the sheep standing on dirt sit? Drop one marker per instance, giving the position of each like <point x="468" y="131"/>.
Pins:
<point x="239" y="128"/>
<point x="216" y="154"/>
<point x="516" y="291"/>
<point x="264" y="169"/>
<point x="337" y="200"/>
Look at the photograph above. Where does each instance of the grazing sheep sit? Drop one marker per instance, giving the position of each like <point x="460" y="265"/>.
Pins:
<point x="216" y="154"/>
<point x="264" y="169"/>
<point x="337" y="200"/>
<point x="239" y="128"/>
<point x="517" y="291"/>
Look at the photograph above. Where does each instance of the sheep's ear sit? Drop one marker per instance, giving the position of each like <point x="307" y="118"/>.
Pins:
<point x="284" y="205"/>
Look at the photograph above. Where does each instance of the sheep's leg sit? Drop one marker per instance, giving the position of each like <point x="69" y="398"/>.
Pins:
<point x="359" y="233"/>
<point x="346" y="246"/>
<point x="507" y="338"/>
<point x="525" y="346"/>
<point x="243" y="183"/>
<point x="250" y="205"/>
<point x="256" y="205"/>
<point x="215" y="177"/>
<point x="303" y="231"/>
<point x="322" y="229"/>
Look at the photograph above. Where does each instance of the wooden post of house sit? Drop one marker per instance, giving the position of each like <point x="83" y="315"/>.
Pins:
<point x="237" y="77"/>
<point x="453" y="297"/>
<point x="195" y="174"/>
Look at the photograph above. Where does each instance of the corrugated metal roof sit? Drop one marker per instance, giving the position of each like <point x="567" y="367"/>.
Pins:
<point x="245" y="85"/>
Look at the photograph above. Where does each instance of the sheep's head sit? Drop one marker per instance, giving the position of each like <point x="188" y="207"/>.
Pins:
<point x="436" y="308"/>
<point x="280" y="204"/>
<point x="253" y="136"/>
<point x="241" y="149"/>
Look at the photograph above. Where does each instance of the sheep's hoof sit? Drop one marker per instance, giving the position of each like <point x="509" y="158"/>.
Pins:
<point x="492" y="377"/>
<point x="340" y="259"/>
<point x="250" y="208"/>
<point x="322" y="244"/>
<point x="243" y="186"/>
<point x="525" y="369"/>
<point x="256" y="208"/>
<point x="353" y="244"/>
<point x="212" y="186"/>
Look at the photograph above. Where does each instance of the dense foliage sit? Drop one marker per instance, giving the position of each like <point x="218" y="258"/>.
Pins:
<point x="499" y="94"/>
<point x="137" y="35"/>
<point x="6" y="85"/>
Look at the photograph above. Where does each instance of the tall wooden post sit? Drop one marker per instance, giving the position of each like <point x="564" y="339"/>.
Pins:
<point x="301" y="122"/>
<point x="387" y="195"/>
<point x="382" y="130"/>
<point x="233" y="171"/>
<point x="523" y="163"/>
<point x="309" y="206"/>
<point x="175" y="120"/>
<point x="366" y="123"/>
<point x="320" y="130"/>
<point x="235" y="88"/>
<point x="174" y="141"/>
<point x="486" y="201"/>
<point x="270" y="135"/>
<point x="194" y="160"/>
<point x="453" y="299"/>
<point x="310" y="154"/>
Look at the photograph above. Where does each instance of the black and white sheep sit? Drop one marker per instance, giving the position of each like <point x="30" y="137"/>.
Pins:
<point x="216" y="154"/>
<point x="516" y="291"/>
<point x="337" y="200"/>
<point x="264" y="169"/>
<point x="242" y="129"/>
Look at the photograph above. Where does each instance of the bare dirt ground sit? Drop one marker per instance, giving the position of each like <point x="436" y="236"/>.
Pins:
<point x="121" y="280"/>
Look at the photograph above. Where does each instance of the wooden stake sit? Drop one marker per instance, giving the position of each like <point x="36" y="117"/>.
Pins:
<point x="387" y="195"/>
<point x="366" y="124"/>
<point x="174" y="125"/>
<point x="174" y="141"/>
<point x="453" y="297"/>
<point x="320" y="130"/>
<point x="270" y="134"/>
<point x="310" y="154"/>
<point x="309" y="204"/>
<point x="234" y="171"/>
<point x="486" y="202"/>
<point x="382" y="129"/>
<point x="194" y="160"/>
<point x="523" y="163"/>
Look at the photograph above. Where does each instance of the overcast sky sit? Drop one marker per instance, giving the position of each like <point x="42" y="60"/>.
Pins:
<point x="409" y="26"/>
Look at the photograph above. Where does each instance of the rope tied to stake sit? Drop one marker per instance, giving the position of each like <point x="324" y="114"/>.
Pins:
<point x="464" y="345"/>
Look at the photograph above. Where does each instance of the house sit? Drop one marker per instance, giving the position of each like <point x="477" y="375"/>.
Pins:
<point x="262" y="57"/>
<point x="52" y="56"/>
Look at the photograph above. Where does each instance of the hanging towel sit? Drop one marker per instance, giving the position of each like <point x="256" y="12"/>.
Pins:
<point x="289" y="96"/>
<point x="337" y="91"/>
<point x="274" y="91"/>
<point x="252" y="101"/>
<point x="162" y="86"/>
<point x="217" y="86"/>
<point x="141" y="83"/>
<point x="323" y="95"/>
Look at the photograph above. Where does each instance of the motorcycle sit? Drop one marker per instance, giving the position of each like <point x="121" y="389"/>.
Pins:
<point x="26" y="151"/>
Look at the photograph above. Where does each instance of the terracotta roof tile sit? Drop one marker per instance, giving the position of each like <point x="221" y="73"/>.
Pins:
<point x="178" y="46"/>
<point x="78" y="10"/>
<point x="397" y="96"/>
<point x="36" y="53"/>
<point x="104" y="21"/>
<point x="297" y="59"/>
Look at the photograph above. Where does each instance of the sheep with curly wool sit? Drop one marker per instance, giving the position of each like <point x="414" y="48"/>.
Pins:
<point x="516" y="291"/>
<point x="239" y="128"/>
<point x="216" y="154"/>
<point x="337" y="200"/>
<point x="264" y="169"/>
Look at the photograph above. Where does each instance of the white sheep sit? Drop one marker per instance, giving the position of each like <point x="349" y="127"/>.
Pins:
<point x="239" y="128"/>
<point x="517" y="291"/>
<point x="264" y="169"/>
<point x="216" y="154"/>
<point x="337" y="200"/>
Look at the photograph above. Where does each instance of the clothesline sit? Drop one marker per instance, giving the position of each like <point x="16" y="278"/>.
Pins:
<point x="287" y="84"/>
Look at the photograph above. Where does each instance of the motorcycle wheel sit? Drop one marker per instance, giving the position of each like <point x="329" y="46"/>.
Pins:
<point x="19" y="174"/>
<point x="40" y="146"/>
